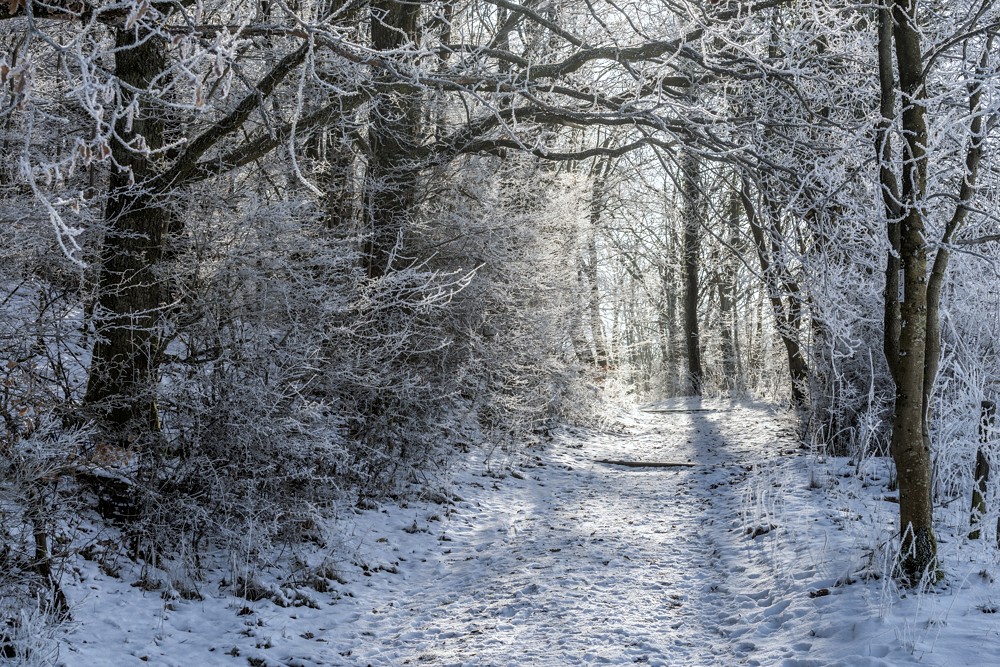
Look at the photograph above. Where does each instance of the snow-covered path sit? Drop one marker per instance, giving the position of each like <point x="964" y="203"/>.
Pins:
<point x="589" y="563"/>
<point x="749" y="556"/>
<point x="581" y="563"/>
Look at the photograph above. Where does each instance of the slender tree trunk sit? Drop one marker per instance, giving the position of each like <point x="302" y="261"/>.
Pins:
<point x="910" y="447"/>
<point x="600" y="175"/>
<point x="673" y="361"/>
<point x="939" y="268"/>
<point x="786" y="318"/>
<point x="889" y="187"/>
<point x="981" y="476"/>
<point x="756" y="334"/>
<point x="727" y="314"/>
<point x="912" y="300"/>
<point x="123" y="372"/>
<point x="690" y="189"/>
<point x="725" y="281"/>
<point x="585" y="349"/>
<point x="669" y="316"/>
<point x="663" y="328"/>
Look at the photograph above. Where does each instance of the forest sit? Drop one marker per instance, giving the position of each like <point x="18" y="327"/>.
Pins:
<point x="266" y="264"/>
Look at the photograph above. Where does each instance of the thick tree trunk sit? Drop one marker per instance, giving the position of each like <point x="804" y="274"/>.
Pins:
<point x="394" y="122"/>
<point x="334" y="156"/>
<point x="123" y="372"/>
<point x="690" y="189"/>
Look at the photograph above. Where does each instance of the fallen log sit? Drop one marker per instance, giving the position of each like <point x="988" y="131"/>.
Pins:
<point x="645" y="464"/>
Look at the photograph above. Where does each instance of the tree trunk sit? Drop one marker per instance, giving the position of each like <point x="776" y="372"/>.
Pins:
<point x="910" y="447"/>
<point x="123" y="372"/>
<point x="939" y="268"/>
<point x="690" y="189"/>
<point x="333" y="152"/>
<point x="394" y="122"/>
<point x="583" y="347"/>
<point x="725" y="281"/>
<point x="786" y="319"/>
<point x="669" y="327"/>
<point x="981" y="476"/>
<point x="890" y="189"/>
<point x="600" y="175"/>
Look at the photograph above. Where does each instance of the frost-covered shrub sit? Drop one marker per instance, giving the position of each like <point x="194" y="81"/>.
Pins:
<point x="30" y="634"/>
<point x="969" y="374"/>
<point x="513" y="369"/>
<point x="246" y="440"/>
<point x="39" y="505"/>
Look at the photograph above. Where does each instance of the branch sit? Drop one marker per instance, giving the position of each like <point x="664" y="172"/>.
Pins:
<point x="187" y="162"/>
<point x="977" y="141"/>
<point x="261" y="145"/>
<point x="500" y="145"/>
<point x="647" y="51"/>
<point x="540" y="20"/>
<point x="68" y="10"/>
<point x="60" y="10"/>
<point x="253" y="30"/>
<point x="978" y="240"/>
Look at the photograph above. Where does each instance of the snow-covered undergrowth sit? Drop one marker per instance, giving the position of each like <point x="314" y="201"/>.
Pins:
<point x="758" y="553"/>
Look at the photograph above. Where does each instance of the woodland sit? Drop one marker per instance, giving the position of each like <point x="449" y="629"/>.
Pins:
<point x="264" y="261"/>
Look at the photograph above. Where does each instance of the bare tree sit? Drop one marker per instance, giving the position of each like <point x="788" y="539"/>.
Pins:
<point x="912" y="300"/>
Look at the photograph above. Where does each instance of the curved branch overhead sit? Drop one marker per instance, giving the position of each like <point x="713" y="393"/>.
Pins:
<point x="623" y="94"/>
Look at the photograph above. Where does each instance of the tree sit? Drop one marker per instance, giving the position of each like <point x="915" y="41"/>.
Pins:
<point x="912" y="302"/>
<point x="782" y="291"/>
<point x="393" y="133"/>
<point x="131" y="293"/>
<point x="690" y="191"/>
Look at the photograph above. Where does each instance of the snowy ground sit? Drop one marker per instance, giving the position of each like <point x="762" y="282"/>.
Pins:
<point x="744" y="558"/>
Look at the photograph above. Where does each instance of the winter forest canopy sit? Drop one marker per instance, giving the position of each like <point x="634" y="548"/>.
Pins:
<point x="265" y="260"/>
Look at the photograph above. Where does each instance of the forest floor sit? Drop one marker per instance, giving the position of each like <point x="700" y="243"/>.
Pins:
<point x="759" y="553"/>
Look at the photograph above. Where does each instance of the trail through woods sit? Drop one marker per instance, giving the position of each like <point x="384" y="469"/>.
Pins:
<point x="746" y="557"/>
<point x="589" y="563"/>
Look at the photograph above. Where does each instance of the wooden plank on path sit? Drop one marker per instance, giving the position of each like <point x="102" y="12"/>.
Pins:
<point x="645" y="464"/>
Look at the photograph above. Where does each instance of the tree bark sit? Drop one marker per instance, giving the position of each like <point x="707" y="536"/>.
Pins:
<point x="123" y="372"/>
<point x="786" y="318"/>
<point x="392" y="138"/>
<point x="600" y="175"/>
<point x="690" y="192"/>
<point x="910" y="448"/>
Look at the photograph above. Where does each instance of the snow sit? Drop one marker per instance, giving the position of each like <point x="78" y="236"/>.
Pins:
<point x="761" y="553"/>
